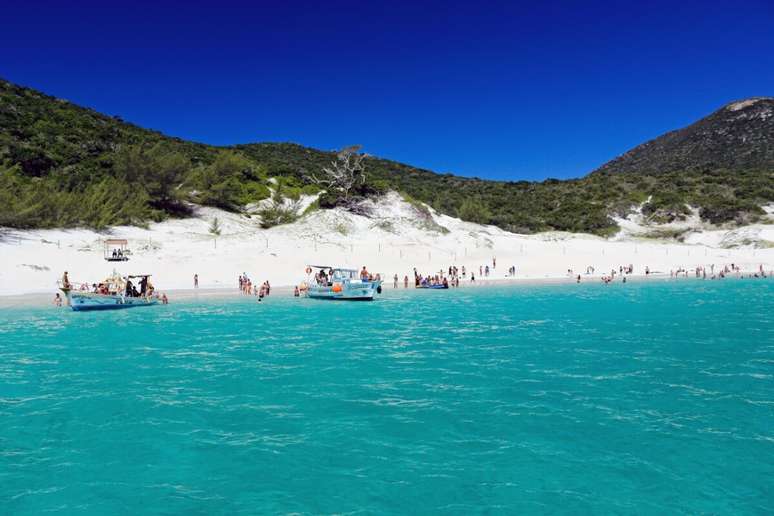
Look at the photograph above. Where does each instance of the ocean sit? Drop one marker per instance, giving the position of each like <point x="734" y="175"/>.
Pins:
<point x="646" y="397"/>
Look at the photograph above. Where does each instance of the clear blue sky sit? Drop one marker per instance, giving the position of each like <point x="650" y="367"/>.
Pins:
<point x="499" y="90"/>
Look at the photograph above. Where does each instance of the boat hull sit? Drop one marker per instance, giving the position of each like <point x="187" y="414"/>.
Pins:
<point x="86" y="302"/>
<point x="347" y="292"/>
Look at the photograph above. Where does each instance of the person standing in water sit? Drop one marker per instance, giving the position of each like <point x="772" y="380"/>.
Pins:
<point x="196" y="281"/>
<point x="395" y="281"/>
<point x="58" y="299"/>
<point x="296" y="293"/>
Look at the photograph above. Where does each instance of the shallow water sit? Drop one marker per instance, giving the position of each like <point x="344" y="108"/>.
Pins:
<point x="636" y="398"/>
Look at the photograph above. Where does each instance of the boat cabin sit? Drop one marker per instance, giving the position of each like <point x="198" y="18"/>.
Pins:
<point x="117" y="250"/>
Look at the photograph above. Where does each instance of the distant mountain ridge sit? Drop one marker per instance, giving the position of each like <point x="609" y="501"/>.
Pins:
<point x="739" y="135"/>
<point x="62" y="165"/>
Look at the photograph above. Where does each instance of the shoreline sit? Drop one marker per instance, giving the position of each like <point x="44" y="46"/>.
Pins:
<point x="40" y="299"/>
<point x="393" y="239"/>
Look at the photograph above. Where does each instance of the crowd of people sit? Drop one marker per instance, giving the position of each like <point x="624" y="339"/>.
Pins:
<point x="700" y="271"/>
<point x="445" y="278"/>
<point x="247" y="288"/>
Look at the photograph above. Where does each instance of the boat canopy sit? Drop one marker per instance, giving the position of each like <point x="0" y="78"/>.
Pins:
<point x="116" y="250"/>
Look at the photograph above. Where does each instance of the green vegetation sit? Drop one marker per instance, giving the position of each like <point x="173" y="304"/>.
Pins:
<point x="215" y="227"/>
<point x="276" y="211"/>
<point x="63" y="166"/>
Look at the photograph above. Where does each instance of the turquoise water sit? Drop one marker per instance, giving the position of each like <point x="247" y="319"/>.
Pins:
<point x="638" y="398"/>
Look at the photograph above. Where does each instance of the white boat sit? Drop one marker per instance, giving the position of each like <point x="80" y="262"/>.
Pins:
<point x="111" y="294"/>
<point x="340" y="284"/>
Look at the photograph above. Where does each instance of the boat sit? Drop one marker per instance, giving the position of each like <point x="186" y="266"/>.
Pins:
<point x="110" y="294"/>
<point x="434" y="287"/>
<point x="337" y="283"/>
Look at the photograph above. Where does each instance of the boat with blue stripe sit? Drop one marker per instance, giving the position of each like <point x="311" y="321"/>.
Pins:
<point x="114" y="293"/>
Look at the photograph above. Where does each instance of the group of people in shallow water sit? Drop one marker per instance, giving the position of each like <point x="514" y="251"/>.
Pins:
<point x="622" y="271"/>
<point x="247" y="288"/>
<point x="701" y="272"/>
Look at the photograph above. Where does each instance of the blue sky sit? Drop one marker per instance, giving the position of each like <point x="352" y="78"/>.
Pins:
<point x="505" y="90"/>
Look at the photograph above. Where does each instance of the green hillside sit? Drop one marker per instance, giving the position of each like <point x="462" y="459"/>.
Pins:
<point x="62" y="165"/>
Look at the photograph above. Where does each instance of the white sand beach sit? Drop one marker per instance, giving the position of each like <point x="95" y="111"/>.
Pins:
<point x="395" y="238"/>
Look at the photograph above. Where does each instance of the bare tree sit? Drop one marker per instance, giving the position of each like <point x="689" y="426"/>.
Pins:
<point x="344" y="173"/>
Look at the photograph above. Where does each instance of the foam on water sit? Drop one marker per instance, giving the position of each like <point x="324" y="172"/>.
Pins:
<point x="576" y="398"/>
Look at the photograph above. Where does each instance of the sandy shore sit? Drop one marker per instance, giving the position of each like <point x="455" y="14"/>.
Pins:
<point x="394" y="240"/>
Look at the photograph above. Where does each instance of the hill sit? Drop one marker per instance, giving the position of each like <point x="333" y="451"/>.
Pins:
<point x="63" y="165"/>
<point x="738" y="136"/>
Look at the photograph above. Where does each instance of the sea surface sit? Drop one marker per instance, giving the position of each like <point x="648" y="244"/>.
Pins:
<point x="646" y="398"/>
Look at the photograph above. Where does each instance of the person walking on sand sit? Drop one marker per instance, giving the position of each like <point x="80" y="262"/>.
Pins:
<point x="196" y="281"/>
<point x="494" y="262"/>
